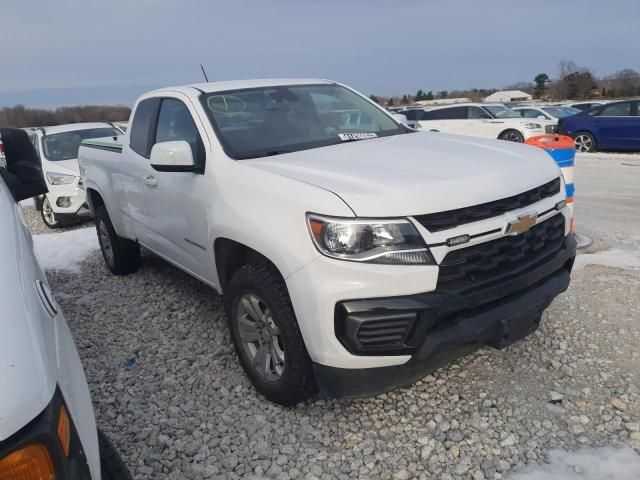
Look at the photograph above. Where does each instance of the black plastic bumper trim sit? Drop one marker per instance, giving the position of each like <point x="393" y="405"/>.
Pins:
<point x="451" y="325"/>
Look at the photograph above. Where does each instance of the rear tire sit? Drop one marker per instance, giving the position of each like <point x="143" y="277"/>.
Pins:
<point x="48" y="215"/>
<point x="511" y="136"/>
<point x="584" y="142"/>
<point x="111" y="465"/>
<point x="121" y="256"/>
<point x="261" y="319"/>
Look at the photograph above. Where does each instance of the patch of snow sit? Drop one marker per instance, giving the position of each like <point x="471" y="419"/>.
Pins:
<point x="615" y="258"/>
<point x="586" y="464"/>
<point x="65" y="250"/>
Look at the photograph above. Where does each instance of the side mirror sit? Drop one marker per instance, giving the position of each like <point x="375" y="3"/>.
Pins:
<point x="23" y="174"/>
<point x="541" y="117"/>
<point x="175" y="156"/>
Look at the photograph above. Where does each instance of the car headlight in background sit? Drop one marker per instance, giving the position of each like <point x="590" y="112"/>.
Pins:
<point x="59" y="178"/>
<point x="531" y="125"/>
<point x="385" y="241"/>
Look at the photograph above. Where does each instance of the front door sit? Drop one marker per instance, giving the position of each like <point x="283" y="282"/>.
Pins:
<point x="177" y="201"/>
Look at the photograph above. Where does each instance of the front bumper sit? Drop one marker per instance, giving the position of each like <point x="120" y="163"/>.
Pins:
<point x="75" y="205"/>
<point x="453" y="323"/>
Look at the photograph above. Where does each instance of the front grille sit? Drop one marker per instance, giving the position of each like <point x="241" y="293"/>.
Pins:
<point x="482" y="263"/>
<point x="434" y="222"/>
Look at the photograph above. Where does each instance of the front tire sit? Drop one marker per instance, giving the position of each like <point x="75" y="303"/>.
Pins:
<point x="122" y="256"/>
<point x="511" y="136"/>
<point x="111" y="465"/>
<point x="48" y="215"/>
<point x="584" y="142"/>
<point x="266" y="336"/>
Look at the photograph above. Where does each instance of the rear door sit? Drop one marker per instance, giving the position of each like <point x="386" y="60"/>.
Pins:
<point x="616" y="125"/>
<point x="135" y="168"/>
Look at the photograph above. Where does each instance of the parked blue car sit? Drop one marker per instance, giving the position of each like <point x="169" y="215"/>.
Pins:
<point x="614" y="126"/>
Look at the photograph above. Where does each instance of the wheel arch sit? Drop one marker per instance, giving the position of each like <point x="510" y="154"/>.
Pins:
<point x="94" y="200"/>
<point x="230" y="256"/>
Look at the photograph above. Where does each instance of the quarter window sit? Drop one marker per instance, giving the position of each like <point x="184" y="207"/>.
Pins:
<point x="142" y="126"/>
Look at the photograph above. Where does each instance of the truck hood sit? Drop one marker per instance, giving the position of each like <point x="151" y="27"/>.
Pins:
<point x="417" y="173"/>
<point x="68" y="167"/>
<point x="27" y="343"/>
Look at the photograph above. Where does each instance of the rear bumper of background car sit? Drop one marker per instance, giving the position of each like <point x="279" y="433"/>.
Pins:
<point x="448" y="325"/>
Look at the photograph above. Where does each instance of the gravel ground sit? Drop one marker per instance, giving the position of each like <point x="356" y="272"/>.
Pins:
<point x="170" y="393"/>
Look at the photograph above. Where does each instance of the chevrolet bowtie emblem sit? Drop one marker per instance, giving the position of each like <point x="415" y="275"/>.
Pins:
<point x="522" y="224"/>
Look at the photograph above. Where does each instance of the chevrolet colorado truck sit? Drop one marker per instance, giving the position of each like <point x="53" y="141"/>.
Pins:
<point x="352" y="258"/>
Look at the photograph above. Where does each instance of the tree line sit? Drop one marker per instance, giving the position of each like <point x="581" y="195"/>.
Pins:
<point x="21" y="116"/>
<point x="572" y="82"/>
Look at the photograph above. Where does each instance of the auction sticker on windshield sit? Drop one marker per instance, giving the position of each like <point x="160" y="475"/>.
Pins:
<point x="356" y="136"/>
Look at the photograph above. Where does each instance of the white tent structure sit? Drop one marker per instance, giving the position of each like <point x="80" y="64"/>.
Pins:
<point x="508" y="96"/>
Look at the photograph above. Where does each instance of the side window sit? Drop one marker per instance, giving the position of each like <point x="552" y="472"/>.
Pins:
<point x="34" y="140"/>
<point x="616" y="110"/>
<point x="530" y="113"/>
<point x="637" y="109"/>
<point x="143" y="125"/>
<point x="411" y="114"/>
<point x="453" y="113"/>
<point x="176" y="123"/>
<point x="477" y="113"/>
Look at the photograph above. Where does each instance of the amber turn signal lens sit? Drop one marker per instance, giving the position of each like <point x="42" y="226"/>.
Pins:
<point x="29" y="463"/>
<point x="64" y="430"/>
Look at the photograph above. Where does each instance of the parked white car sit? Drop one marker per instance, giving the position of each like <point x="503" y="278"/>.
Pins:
<point x="545" y="112"/>
<point x="587" y="105"/>
<point x="47" y="425"/>
<point x="487" y="120"/>
<point x="58" y="150"/>
<point x="351" y="259"/>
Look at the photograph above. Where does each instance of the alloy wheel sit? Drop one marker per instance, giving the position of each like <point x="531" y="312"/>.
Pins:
<point x="512" y="137"/>
<point x="260" y="337"/>
<point x="583" y="143"/>
<point x="47" y="212"/>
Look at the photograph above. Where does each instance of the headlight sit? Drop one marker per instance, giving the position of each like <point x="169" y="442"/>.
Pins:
<point x="531" y="125"/>
<point x="391" y="242"/>
<point x="59" y="178"/>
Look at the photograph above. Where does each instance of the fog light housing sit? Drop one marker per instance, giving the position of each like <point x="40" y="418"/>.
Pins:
<point x="63" y="202"/>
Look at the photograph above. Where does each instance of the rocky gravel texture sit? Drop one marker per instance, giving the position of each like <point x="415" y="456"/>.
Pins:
<point x="169" y="391"/>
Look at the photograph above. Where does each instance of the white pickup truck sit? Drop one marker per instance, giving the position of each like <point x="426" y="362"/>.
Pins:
<point x="352" y="258"/>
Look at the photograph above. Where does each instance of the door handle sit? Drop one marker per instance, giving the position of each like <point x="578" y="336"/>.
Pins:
<point x="150" y="180"/>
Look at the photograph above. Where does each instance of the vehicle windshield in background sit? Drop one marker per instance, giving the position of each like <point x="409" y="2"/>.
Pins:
<point x="499" y="111"/>
<point x="561" y="112"/>
<point x="65" y="145"/>
<point x="266" y="121"/>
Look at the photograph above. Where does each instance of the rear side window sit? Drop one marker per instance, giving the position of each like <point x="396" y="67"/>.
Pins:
<point x="477" y="113"/>
<point x="616" y="110"/>
<point x="454" y="113"/>
<point x="143" y="126"/>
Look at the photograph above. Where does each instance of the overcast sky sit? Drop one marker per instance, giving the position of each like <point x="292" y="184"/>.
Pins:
<point x="66" y="52"/>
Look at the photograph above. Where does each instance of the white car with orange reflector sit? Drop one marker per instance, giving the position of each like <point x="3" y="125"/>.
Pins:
<point x="47" y="425"/>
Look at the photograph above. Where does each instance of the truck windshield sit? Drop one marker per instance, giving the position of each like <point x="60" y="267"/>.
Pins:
<point x="260" y="122"/>
<point x="500" y="111"/>
<point x="65" y="145"/>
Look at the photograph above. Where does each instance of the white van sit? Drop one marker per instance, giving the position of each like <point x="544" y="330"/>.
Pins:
<point x="47" y="425"/>
<point x="57" y="148"/>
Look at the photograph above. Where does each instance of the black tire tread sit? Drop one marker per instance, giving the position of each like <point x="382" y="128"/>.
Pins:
<point x="298" y="384"/>
<point x="126" y="252"/>
<point x="111" y="465"/>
